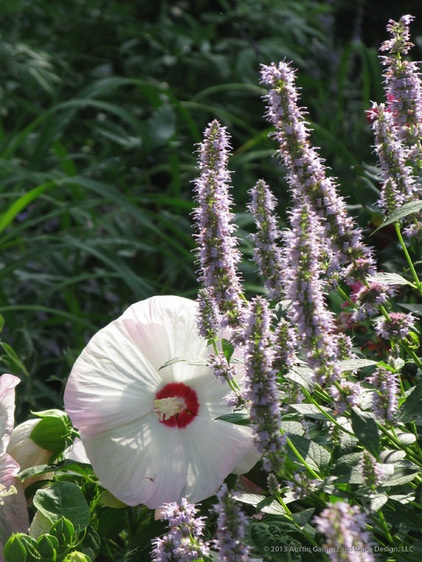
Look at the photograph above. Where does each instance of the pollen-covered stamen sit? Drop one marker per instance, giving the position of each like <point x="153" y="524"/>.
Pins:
<point x="176" y="405"/>
<point x="165" y="408"/>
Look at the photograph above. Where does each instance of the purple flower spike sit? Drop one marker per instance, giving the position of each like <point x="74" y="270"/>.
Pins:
<point x="346" y="540"/>
<point x="399" y="186"/>
<point x="304" y="288"/>
<point x="267" y="252"/>
<point x="307" y="173"/>
<point x="184" y="540"/>
<point x="261" y="384"/>
<point x="231" y="524"/>
<point x="396" y="327"/>
<point x="218" y="255"/>
<point x="403" y="85"/>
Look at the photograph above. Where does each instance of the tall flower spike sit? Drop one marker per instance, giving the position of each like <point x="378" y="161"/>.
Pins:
<point x="261" y="385"/>
<point x="344" y="528"/>
<point x="218" y="255"/>
<point x="304" y="289"/>
<point x="231" y="523"/>
<point x="184" y="540"/>
<point x="267" y="253"/>
<point x="399" y="185"/>
<point x="307" y="174"/>
<point x="403" y="86"/>
<point x="385" y="398"/>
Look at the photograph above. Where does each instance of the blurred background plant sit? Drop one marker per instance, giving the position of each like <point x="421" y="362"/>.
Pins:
<point x="101" y="106"/>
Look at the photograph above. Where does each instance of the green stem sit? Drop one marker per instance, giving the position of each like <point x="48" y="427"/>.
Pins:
<point x="408" y="258"/>
<point x="302" y="460"/>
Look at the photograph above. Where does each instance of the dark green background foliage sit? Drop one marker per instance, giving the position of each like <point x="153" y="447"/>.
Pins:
<point x="101" y="106"/>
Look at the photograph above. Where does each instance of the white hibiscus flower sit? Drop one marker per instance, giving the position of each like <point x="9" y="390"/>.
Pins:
<point x="148" y="420"/>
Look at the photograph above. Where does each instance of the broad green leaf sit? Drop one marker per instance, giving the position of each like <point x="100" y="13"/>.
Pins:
<point x="317" y="457"/>
<point x="347" y="470"/>
<point x="63" y="499"/>
<point x="366" y="430"/>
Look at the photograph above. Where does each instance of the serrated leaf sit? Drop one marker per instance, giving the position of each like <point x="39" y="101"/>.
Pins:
<point x="404" y="472"/>
<point x="404" y="211"/>
<point x="302" y="376"/>
<point x="316" y="456"/>
<point x="355" y="364"/>
<point x="303" y="517"/>
<point x="377" y="501"/>
<point x="347" y="469"/>
<point x="366" y="430"/>
<point x="311" y="411"/>
<point x="389" y="279"/>
<point x="392" y="456"/>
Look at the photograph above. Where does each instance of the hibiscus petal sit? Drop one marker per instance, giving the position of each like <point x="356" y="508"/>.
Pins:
<point x="140" y="463"/>
<point x="14" y="513"/>
<point x="7" y="407"/>
<point x="111" y="383"/>
<point x="213" y="450"/>
<point x="165" y="328"/>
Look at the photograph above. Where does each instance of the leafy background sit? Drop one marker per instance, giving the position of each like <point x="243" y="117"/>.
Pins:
<point x="101" y="106"/>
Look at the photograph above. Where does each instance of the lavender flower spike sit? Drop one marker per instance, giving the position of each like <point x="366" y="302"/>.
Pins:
<point x="307" y="174"/>
<point x="217" y="247"/>
<point x="267" y="252"/>
<point x="184" y="540"/>
<point x="399" y="186"/>
<point x="261" y="384"/>
<point x="304" y="288"/>
<point x="403" y="86"/>
<point x="346" y="540"/>
<point x="231" y="523"/>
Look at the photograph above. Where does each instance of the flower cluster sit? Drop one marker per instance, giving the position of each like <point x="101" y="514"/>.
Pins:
<point x="345" y="536"/>
<point x="231" y="526"/>
<point x="184" y="541"/>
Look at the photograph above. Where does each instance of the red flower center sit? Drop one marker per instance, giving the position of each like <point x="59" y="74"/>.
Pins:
<point x="176" y="404"/>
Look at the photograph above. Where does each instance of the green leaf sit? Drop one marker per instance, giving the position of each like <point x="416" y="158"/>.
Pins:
<point x="404" y="472"/>
<point x="389" y="279"/>
<point x="235" y="418"/>
<point x="316" y="456"/>
<point x="347" y="470"/>
<point x="411" y="409"/>
<point x="7" y="217"/>
<point x="63" y="499"/>
<point x="355" y="364"/>
<point x="404" y="211"/>
<point x="366" y="430"/>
